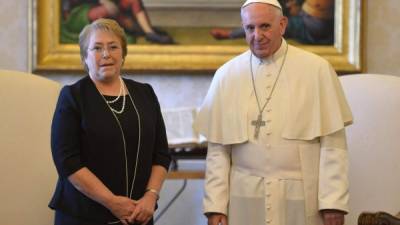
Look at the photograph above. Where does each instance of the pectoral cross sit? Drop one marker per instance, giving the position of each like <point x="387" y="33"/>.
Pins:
<point x="257" y="124"/>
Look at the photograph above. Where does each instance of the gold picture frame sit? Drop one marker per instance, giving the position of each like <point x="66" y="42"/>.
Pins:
<point x="50" y="55"/>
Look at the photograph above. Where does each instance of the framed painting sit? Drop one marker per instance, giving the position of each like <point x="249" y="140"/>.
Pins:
<point x="187" y="36"/>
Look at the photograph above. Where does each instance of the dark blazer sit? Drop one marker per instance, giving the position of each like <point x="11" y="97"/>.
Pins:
<point x="86" y="134"/>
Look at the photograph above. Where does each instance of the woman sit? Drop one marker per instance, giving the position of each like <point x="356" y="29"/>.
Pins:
<point x="108" y="139"/>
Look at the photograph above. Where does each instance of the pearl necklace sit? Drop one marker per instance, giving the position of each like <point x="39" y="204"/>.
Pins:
<point x="121" y="90"/>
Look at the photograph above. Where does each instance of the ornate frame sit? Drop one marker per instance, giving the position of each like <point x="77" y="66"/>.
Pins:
<point x="50" y="55"/>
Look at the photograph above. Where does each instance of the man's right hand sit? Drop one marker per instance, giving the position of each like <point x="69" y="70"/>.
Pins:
<point x="217" y="219"/>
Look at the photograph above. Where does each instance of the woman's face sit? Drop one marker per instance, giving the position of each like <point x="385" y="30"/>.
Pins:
<point x="104" y="56"/>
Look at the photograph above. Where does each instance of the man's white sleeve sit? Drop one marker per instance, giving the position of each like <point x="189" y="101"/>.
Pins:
<point x="218" y="165"/>
<point x="333" y="191"/>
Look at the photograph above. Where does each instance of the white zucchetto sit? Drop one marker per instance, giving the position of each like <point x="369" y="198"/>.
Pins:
<point x="271" y="2"/>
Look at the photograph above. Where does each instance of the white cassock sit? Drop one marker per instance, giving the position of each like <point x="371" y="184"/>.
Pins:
<point x="298" y="164"/>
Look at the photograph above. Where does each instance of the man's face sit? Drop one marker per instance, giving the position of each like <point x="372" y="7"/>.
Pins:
<point x="264" y="26"/>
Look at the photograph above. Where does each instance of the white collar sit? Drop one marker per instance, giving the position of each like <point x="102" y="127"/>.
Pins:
<point x="274" y="57"/>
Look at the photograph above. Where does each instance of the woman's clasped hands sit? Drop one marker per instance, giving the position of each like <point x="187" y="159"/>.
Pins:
<point x="130" y="211"/>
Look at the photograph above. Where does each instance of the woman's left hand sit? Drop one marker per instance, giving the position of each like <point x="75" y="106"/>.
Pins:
<point x="144" y="209"/>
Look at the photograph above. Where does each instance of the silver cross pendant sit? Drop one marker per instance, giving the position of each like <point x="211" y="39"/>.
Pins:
<point x="257" y="125"/>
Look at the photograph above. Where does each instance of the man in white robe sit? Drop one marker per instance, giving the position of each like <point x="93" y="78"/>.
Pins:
<point x="274" y="118"/>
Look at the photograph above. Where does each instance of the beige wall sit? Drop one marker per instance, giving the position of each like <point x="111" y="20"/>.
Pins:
<point x="14" y="35"/>
<point x="382" y="37"/>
